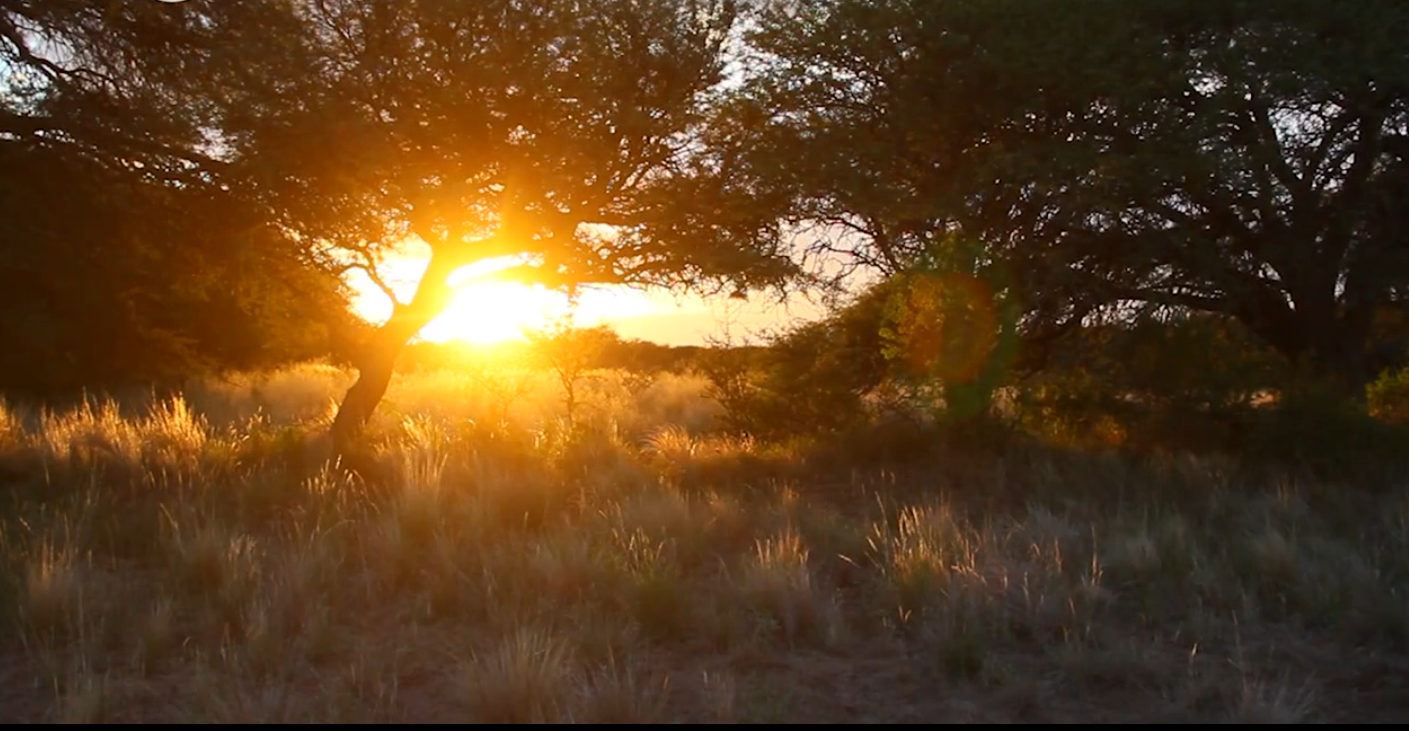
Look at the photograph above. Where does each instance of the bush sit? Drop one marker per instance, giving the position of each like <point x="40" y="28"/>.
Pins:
<point x="1329" y="436"/>
<point x="1388" y="397"/>
<point x="1184" y="384"/>
<point x="811" y="379"/>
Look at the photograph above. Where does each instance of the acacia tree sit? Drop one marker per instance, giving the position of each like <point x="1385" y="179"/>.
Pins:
<point x="1242" y="158"/>
<point x="90" y="80"/>
<point x="129" y="257"/>
<point x="569" y="352"/>
<point x="564" y="135"/>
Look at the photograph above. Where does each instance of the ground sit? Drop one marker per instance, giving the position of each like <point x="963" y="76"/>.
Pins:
<point x="482" y="558"/>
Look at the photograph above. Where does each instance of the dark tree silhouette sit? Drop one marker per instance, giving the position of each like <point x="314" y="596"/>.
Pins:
<point x="128" y="256"/>
<point x="1242" y="158"/>
<point x="565" y="135"/>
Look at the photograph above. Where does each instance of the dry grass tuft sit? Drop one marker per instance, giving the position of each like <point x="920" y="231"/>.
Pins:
<point x="779" y="585"/>
<point x="1261" y="702"/>
<point x="85" y="700"/>
<point x="616" y="695"/>
<point x="528" y="678"/>
<point x="54" y="591"/>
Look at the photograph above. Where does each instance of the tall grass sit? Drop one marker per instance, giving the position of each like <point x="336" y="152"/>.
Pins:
<point x="184" y="560"/>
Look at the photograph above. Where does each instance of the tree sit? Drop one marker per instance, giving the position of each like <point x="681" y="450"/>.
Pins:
<point x="1243" y="158"/>
<point x="112" y="280"/>
<point x="946" y="333"/>
<point x="569" y="352"/>
<point x="128" y="258"/>
<point x="134" y="86"/>
<point x="562" y="136"/>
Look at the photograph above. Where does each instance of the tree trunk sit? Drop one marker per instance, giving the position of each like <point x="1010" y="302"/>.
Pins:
<point x="1324" y="338"/>
<point x="1329" y="352"/>
<point x="1340" y="359"/>
<point x="377" y="362"/>
<point x="374" y="370"/>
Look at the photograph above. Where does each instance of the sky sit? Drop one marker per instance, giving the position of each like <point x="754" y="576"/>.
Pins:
<point x="492" y="312"/>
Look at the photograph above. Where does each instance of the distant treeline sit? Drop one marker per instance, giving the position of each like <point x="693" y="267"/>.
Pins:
<point x="611" y="351"/>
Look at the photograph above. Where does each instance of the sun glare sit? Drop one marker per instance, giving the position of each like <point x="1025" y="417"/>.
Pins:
<point x="494" y="312"/>
<point x="485" y="311"/>
<point x="491" y="312"/>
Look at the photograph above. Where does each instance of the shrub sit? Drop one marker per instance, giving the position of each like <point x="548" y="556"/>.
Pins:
<point x="1388" y="397"/>
<point x="1329" y="436"/>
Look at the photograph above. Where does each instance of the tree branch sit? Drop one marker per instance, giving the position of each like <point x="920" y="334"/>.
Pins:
<point x="368" y="268"/>
<point x="1170" y="299"/>
<point x="1329" y="139"/>
<point x="531" y="274"/>
<point x="1343" y="204"/>
<point x="1274" y="157"/>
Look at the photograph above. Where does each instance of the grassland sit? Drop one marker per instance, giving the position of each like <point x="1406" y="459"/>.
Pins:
<point x="481" y="559"/>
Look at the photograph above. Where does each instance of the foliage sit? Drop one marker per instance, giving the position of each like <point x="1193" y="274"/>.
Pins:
<point x="113" y="280"/>
<point x="1388" y="397"/>
<point x="569" y="352"/>
<point x="732" y="374"/>
<point x="1318" y="432"/>
<point x="1240" y="160"/>
<point x="1107" y="213"/>
<point x="1183" y="383"/>
<point x="562" y="135"/>
<point x="128" y="261"/>
<point x="495" y="129"/>
<point x="818" y="375"/>
<point x="559" y="137"/>
<point x="950" y="326"/>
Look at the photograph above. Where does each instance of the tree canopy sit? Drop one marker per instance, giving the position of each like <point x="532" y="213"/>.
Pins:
<point x="128" y="258"/>
<point x="1244" y="159"/>
<point x="567" y="136"/>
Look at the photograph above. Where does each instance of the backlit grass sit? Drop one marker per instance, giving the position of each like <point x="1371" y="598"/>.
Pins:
<point x="203" y="558"/>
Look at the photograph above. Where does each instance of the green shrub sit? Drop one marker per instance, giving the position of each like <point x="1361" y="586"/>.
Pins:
<point x="1388" y="397"/>
<point x="1329" y="436"/>
<point x="1184" y="384"/>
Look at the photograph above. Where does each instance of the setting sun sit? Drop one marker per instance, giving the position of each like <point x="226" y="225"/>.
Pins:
<point x="494" y="312"/>
<point x="485" y="311"/>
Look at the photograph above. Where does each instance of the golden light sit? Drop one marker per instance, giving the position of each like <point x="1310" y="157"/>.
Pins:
<point x="485" y="311"/>
<point x="494" y="312"/>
